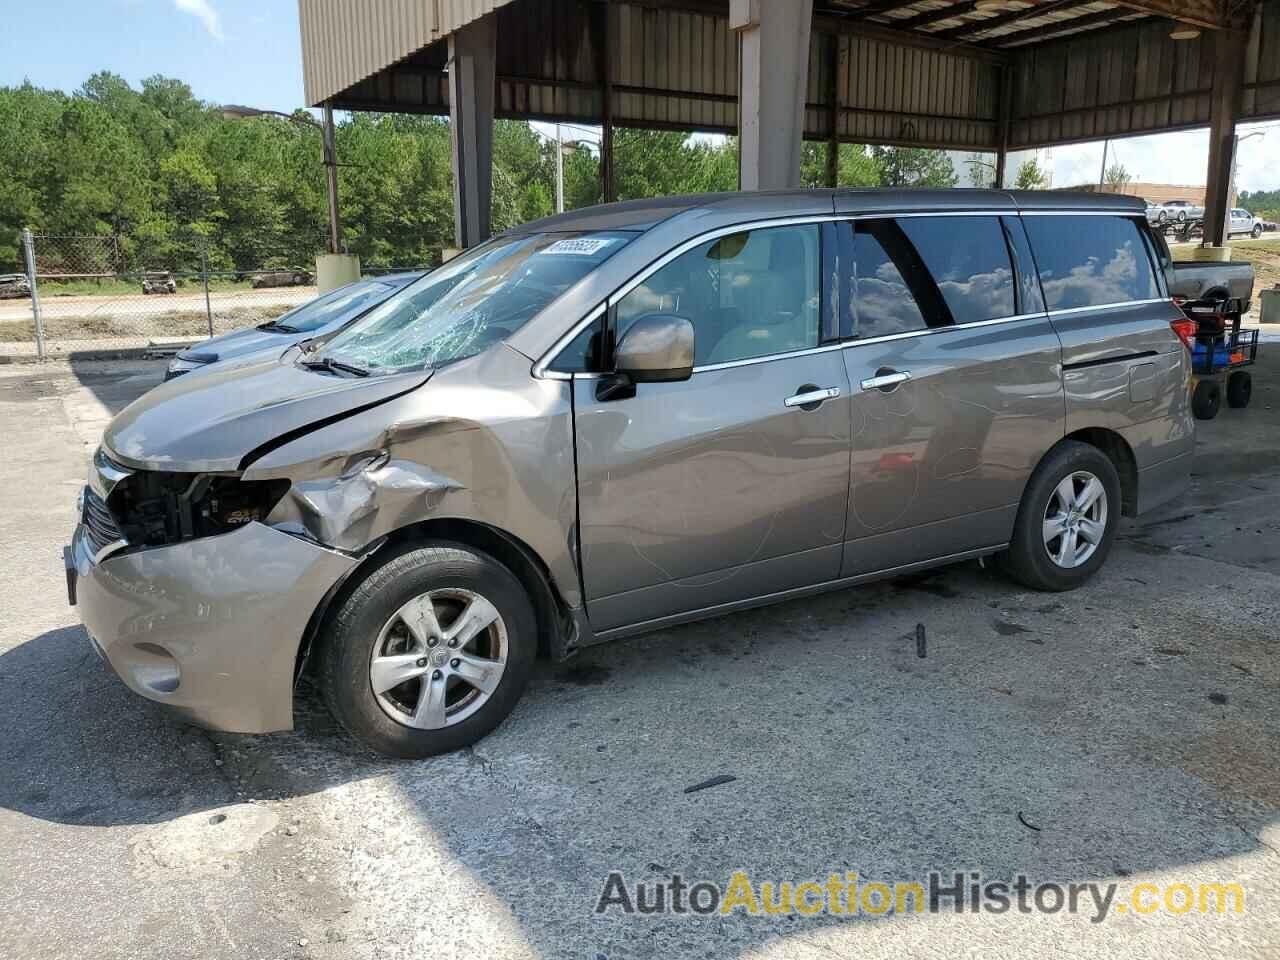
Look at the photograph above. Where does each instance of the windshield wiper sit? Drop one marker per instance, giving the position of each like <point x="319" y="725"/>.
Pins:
<point x="276" y="327"/>
<point x="335" y="366"/>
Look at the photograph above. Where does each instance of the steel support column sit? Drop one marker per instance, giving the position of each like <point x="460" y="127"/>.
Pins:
<point x="1224" y="111"/>
<point x="773" y="66"/>
<point x="600" y="40"/>
<point x="833" y="110"/>
<point x="471" y="66"/>
<point x="1002" y="135"/>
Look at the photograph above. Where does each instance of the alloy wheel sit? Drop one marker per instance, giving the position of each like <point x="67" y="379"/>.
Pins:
<point x="1075" y="519"/>
<point x="439" y="658"/>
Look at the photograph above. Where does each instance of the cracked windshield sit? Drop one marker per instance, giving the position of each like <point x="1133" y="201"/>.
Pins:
<point x="476" y="300"/>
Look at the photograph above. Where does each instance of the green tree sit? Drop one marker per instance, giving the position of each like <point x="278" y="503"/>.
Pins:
<point x="859" y="166"/>
<point x="914" y="167"/>
<point x="1118" y="177"/>
<point x="1030" y="176"/>
<point x="982" y="170"/>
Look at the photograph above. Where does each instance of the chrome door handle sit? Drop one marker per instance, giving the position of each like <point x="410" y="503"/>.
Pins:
<point x="885" y="380"/>
<point x="812" y="396"/>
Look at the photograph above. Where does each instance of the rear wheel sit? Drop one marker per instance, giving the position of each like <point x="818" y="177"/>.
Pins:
<point x="1239" y="389"/>
<point x="1067" y="519"/>
<point x="429" y="652"/>
<point x="1206" y="400"/>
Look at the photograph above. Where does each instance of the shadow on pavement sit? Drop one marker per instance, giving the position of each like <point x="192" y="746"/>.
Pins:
<point x="1127" y="728"/>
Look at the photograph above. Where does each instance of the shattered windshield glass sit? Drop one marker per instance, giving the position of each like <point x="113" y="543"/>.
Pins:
<point x="476" y="300"/>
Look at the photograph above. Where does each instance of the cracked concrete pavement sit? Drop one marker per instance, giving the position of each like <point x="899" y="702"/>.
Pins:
<point x="1124" y="732"/>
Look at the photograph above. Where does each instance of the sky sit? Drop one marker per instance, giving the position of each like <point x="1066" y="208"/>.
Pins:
<point x="247" y="52"/>
<point x="227" y="51"/>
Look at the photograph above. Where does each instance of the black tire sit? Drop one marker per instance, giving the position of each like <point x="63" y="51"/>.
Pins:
<point x="1182" y="216"/>
<point x="1206" y="400"/>
<point x="1256" y="232"/>
<point x="1162" y="217"/>
<point x="1028" y="560"/>
<point x="346" y="642"/>
<point x="1239" y="389"/>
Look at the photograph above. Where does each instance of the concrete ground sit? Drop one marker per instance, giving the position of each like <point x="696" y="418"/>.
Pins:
<point x="1126" y="732"/>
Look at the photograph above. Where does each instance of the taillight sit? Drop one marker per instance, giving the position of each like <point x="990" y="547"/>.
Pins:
<point x="1186" y="331"/>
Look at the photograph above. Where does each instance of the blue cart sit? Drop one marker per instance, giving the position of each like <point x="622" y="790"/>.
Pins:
<point x="1218" y="355"/>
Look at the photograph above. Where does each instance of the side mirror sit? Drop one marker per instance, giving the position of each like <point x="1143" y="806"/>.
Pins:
<point x="657" y="348"/>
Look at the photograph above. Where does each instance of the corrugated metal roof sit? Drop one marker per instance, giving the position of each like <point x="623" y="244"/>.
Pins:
<point x="676" y="67"/>
<point x="345" y="42"/>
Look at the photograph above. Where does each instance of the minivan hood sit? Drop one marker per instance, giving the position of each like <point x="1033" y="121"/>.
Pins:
<point x="215" y="421"/>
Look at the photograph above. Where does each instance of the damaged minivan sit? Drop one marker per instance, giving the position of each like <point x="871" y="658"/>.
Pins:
<point x="624" y="418"/>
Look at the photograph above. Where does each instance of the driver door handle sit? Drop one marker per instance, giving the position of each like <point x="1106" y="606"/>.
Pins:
<point x="812" y="397"/>
<point x="882" y="380"/>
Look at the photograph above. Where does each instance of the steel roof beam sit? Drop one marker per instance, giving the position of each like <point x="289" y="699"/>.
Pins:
<point x="991" y="23"/>
<point x="1060" y="28"/>
<point x="933" y="16"/>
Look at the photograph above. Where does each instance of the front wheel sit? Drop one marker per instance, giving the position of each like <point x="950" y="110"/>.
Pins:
<point x="1067" y="519"/>
<point x="1256" y="232"/>
<point x="429" y="652"/>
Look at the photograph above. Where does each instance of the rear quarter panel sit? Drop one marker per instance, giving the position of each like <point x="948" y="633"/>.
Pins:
<point x="1125" y="370"/>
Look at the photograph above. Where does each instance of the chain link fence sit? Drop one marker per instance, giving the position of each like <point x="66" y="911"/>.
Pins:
<point x="96" y="294"/>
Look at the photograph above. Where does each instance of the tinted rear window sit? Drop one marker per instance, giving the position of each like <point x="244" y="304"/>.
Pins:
<point x="969" y="261"/>
<point x="1090" y="261"/>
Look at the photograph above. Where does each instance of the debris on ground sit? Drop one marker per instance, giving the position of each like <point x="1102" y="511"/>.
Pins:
<point x="713" y="782"/>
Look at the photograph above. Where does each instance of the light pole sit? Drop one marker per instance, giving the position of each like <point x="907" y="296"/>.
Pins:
<point x="339" y="267"/>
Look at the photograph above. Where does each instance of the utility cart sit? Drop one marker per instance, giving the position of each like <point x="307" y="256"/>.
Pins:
<point x="1219" y="354"/>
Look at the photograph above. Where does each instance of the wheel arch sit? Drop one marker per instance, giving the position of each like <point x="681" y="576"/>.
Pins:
<point x="1117" y="450"/>
<point x="556" y="621"/>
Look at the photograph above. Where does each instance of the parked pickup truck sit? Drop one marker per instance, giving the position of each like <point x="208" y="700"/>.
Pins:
<point x="1245" y="223"/>
<point x="1230" y="280"/>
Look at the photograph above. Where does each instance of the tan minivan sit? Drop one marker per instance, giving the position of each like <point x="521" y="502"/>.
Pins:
<point x="629" y="417"/>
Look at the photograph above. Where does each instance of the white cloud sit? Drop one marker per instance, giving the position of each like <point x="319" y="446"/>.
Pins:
<point x="203" y="11"/>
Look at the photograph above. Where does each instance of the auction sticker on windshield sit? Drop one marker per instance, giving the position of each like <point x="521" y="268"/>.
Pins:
<point x="582" y="247"/>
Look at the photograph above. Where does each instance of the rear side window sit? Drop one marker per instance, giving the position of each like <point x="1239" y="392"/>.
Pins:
<point x="969" y="260"/>
<point x="892" y="291"/>
<point x="1090" y="261"/>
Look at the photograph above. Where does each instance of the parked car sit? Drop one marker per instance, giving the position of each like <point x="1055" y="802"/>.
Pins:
<point x="1179" y="210"/>
<point x="628" y="417"/>
<point x="158" y="281"/>
<point x="14" y="285"/>
<point x="281" y="278"/>
<point x="316" y="318"/>
<point x="1244" y="222"/>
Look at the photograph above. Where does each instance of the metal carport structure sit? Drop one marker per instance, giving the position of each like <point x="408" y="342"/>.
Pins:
<point x="978" y="75"/>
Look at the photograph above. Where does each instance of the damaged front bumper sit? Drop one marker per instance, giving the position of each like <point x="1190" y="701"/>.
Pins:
<point x="209" y="627"/>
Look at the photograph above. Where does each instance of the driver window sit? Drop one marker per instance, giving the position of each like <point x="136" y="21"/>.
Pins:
<point x="748" y="294"/>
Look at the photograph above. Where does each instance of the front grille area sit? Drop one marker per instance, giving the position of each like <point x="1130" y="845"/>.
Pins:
<point x="98" y="521"/>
